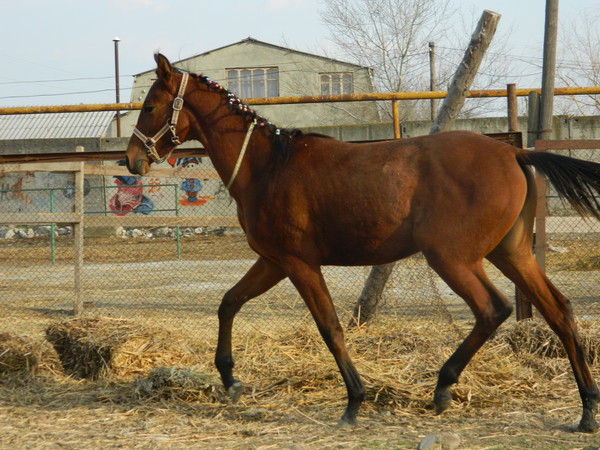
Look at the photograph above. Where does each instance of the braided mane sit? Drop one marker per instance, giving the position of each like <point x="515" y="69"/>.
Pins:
<point x="282" y="137"/>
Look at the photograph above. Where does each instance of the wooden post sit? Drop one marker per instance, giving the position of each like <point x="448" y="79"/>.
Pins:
<point x="396" y="119"/>
<point x="533" y="118"/>
<point x="367" y="303"/>
<point x="533" y="131"/>
<point x="522" y="305"/>
<point x="546" y="116"/>
<point x="78" y="238"/>
<point x="512" y="107"/>
<point x="549" y="70"/>
<point x="467" y="69"/>
<point x="432" y="80"/>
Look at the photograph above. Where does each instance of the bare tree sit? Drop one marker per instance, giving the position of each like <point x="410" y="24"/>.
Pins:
<point x="390" y="36"/>
<point x="578" y="63"/>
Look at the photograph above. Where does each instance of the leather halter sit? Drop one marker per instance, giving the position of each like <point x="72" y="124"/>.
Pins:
<point x="171" y="125"/>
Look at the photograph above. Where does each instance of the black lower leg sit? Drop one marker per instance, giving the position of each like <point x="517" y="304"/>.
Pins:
<point x="356" y="394"/>
<point x="588" y="423"/>
<point x="233" y="387"/>
<point x="441" y="396"/>
<point x="452" y="369"/>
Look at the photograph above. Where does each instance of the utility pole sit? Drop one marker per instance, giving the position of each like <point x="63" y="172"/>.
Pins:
<point x="118" y="96"/>
<point x="545" y="121"/>
<point x="432" y="78"/>
<point x="549" y="70"/>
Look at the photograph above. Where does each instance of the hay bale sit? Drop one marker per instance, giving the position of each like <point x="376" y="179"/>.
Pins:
<point x="534" y="337"/>
<point x="179" y="383"/>
<point x="23" y="356"/>
<point x="103" y="347"/>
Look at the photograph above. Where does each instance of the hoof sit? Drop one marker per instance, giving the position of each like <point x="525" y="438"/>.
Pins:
<point x="441" y="401"/>
<point x="346" y="423"/>
<point x="587" y="426"/>
<point x="235" y="390"/>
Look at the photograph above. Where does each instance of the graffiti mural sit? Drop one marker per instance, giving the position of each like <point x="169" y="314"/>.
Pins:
<point x="190" y="187"/>
<point x="13" y="189"/>
<point x="23" y="192"/>
<point x="130" y="196"/>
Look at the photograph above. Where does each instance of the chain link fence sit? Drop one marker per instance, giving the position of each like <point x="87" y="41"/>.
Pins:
<point x="165" y="250"/>
<point x="572" y="243"/>
<point x="154" y="249"/>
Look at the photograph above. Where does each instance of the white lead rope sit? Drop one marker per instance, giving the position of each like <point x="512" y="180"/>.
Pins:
<point x="241" y="155"/>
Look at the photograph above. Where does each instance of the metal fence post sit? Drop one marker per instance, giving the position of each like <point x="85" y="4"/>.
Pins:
<point x="52" y="230"/>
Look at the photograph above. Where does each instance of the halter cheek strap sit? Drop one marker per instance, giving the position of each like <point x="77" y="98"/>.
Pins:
<point x="171" y="125"/>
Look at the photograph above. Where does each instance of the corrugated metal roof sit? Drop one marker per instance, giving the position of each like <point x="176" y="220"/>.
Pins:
<point x="52" y="126"/>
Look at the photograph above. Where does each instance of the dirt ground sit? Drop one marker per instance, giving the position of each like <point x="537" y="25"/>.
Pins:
<point x="294" y="398"/>
<point x="294" y="394"/>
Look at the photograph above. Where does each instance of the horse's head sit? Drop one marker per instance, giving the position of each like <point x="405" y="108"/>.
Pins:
<point x="163" y="122"/>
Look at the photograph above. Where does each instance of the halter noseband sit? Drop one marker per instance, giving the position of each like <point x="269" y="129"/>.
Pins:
<point x="150" y="142"/>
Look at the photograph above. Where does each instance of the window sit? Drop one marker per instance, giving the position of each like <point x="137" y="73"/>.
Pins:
<point x="254" y="83"/>
<point x="336" y="83"/>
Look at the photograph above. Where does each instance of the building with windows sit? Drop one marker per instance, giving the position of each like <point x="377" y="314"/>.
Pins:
<point x="255" y="69"/>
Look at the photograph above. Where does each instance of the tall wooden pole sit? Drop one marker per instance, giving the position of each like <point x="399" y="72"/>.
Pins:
<point x="117" y="89"/>
<point x="545" y="120"/>
<point x="367" y="304"/>
<point x="432" y="79"/>
<point x="549" y="70"/>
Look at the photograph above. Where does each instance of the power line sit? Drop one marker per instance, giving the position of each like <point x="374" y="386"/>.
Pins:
<point x="61" y="80"/>
<point x="60" y="94"/>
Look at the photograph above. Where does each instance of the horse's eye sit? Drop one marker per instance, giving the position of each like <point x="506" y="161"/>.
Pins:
<point x="148" y="108"/>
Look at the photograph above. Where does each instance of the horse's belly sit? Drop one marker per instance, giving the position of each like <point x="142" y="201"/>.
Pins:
<point x="369" y="252"/>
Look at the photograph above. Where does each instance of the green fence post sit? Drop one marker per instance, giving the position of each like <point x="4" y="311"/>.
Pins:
<point x="52" y="228"/>
<point x="177" y="230"/>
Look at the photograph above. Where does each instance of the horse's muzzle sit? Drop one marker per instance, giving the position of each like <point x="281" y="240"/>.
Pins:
<point x="137" y="167"/>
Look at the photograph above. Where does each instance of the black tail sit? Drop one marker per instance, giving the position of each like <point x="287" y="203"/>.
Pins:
<point x="576" y="181"/>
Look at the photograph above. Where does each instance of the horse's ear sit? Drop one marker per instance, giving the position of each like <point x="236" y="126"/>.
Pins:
<point x="164" y="68"/>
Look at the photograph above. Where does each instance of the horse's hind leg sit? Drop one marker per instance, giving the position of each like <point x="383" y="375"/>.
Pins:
<point x="519" y="265"/>
<point x="261" y="277"/>
<point x="490" y="309"/>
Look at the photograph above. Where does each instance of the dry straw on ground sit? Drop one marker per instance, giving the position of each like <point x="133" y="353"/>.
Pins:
<point x="22" y="356"/>
<point x="179" y="383"/>
<point x="534" y="337"/>
<point x="294" y="393"/>
<point x="400" y="363"/>
<point x="106" y="347"/>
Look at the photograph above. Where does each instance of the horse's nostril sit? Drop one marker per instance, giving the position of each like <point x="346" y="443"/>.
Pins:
<point x="127" y="163"/>
<point x="140" y="167"/>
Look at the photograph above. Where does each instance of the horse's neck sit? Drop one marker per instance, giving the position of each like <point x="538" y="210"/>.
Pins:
<point x="237" y="148"/>
<point x="223" y="131"/>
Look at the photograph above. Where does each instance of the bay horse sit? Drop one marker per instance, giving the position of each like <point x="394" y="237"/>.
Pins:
<point x="308" y="200"/>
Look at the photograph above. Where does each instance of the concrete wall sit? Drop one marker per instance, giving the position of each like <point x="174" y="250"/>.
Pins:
<point x="564" y="127"/>
<point x="218" y="201"/>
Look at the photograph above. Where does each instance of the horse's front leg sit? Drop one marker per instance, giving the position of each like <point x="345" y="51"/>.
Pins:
<point x="311" y="286"/>
<point x="261" y="277"/>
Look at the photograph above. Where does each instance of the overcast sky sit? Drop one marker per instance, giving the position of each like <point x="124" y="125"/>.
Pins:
<point x="48" y="41"/>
